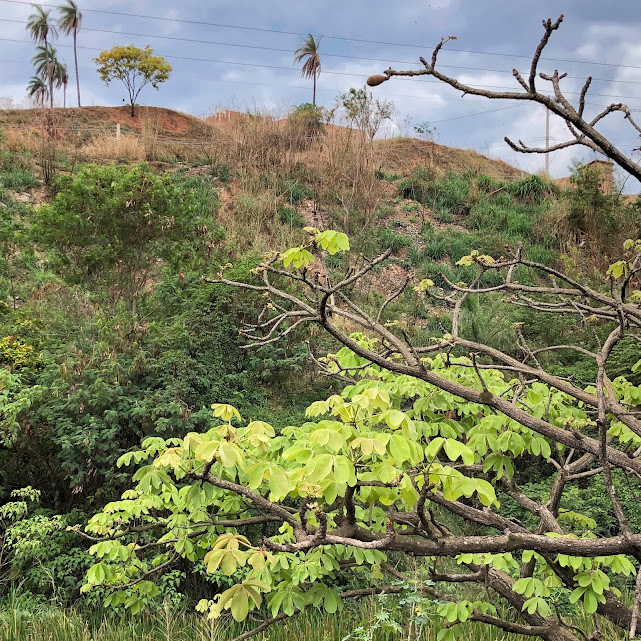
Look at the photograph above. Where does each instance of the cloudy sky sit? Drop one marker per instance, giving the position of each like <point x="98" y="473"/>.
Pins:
<point x="240" y="53"/>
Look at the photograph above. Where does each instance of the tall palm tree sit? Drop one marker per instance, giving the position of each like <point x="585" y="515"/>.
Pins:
<point x="42" y="30"/>
<point x="69" y="22"/>
<point x="61" y="76"/>
<point x="308" y="52"/>
<point x="37" y="89"/>
<point x="46" y="65"/>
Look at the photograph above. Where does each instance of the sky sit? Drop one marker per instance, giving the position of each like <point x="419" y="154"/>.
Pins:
<point x="240" y="55"/>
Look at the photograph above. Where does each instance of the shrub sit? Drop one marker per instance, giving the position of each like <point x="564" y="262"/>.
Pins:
<point x="291" y="216"/>
<point x="418" y="186"/>
<point x="510" y="221"/>
<point x="532" y="189"/>
<point x="109" y="225"/>
<point x="307" y="119"/>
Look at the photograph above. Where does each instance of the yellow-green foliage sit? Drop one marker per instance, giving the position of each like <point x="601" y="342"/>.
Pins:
<point x="16" y="353"/>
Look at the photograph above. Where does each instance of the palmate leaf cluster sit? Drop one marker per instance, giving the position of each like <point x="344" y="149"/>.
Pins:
<point x="383" y="439"/>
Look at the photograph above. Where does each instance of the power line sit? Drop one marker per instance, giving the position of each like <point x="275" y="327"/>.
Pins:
<point x="288" y="51"/>
<point x="330" y="37"/>
<point x="304" y="87"/>
<point x="477" y="113"/>
<point x="333" y="73"/>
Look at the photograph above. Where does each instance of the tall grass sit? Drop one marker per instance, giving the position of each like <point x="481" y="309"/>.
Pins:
<point x="16" y="172"/>
<point x="50" y="624"/>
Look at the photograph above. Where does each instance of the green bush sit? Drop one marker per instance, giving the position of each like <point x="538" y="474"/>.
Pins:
<point x="487" y="184"/>
<point x="418" y="186"/>
<point x="109" y="225"/>
<point x="290" y="216"/>
<point x="512" y="221"/>
<point x="532" y="189"/>
<point x="222" y="171"/>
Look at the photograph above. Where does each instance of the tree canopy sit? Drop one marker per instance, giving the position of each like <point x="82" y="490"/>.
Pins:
<point x="134" y="67"/>
<point x="426" y="453"/>
<point x="308" y="52"/>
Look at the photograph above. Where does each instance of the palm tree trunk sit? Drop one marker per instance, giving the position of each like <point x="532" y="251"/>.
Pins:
<point x="64" y="94"/>
<point x="49" y="70"/>
<point x="314" y="95"/>
<point x="75" y="58"/>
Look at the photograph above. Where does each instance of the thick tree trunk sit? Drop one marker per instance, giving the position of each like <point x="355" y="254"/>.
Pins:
<point x="75" y="58"/>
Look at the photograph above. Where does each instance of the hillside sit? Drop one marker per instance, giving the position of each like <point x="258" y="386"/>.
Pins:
<point x="94" y="120"/>
<point x="394" y="155"/>
<point x="116" y="333"/>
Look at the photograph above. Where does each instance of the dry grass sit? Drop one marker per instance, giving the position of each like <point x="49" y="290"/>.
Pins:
<point x="21" y="141"/>
<point x="106" y="147"/>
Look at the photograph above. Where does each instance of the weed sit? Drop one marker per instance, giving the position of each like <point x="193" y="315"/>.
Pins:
<point x="418" y="186"/>
<point x="532" y="189"/>
<point x="290" y="216"/>
<point x="390" y="239"/>
<point x="16" y="172"/>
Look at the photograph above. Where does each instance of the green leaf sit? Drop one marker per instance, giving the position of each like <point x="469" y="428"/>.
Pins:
<point x="399" y="448"/>
<point x="455" y="449"/>
<point x="230" y="455"/>
<point x="240" y="605"/>
<point x="297" y="256"/>
<point x="225" y="412"/>
<point x="343" y="469"/>
<point x="278" y="483"/>
<point x="332" y="602"/>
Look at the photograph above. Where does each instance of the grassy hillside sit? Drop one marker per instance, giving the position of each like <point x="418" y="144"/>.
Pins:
<point x="108" y="334"/>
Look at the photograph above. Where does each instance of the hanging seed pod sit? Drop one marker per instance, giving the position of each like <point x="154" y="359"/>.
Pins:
<point x="374" y="81"/>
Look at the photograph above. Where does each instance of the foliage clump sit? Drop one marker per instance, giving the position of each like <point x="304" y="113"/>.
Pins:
<point x="109" y="225"/>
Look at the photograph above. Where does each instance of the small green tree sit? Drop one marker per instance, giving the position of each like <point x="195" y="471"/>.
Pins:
<point x="591" y="210"/>
<point x="108" y="226"/>
<point x="134" y="67"/>
<point x="365" y="112"/>
<point x="61" y="77"/>
<point x="47" y="66"/>
<point x="37" y="89"/>
<point x="307" y="120"/>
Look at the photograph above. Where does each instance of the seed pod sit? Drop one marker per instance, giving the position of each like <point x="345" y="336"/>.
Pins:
<point x="374" y="81"/>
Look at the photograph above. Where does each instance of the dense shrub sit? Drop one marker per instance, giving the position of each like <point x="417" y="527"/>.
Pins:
<point x="109" y="225"/>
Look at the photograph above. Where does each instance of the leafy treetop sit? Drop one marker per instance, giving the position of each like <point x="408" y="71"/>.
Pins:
<point x="134" y="67"/>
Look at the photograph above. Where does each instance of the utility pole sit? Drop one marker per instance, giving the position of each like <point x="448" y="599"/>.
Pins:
<point x="547" y="142"/>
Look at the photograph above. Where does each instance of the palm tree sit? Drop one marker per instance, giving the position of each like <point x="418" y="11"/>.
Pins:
<point x="41" y="29"/>
<point x="69" y="22"/>
<point x="37" y="89"/>
<point x="309" y="52"/>
<point x="61" y="76"/>
<point x="46" y="65"/>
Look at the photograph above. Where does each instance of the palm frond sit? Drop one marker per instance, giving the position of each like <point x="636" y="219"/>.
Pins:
<point x="70" y="17"/>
